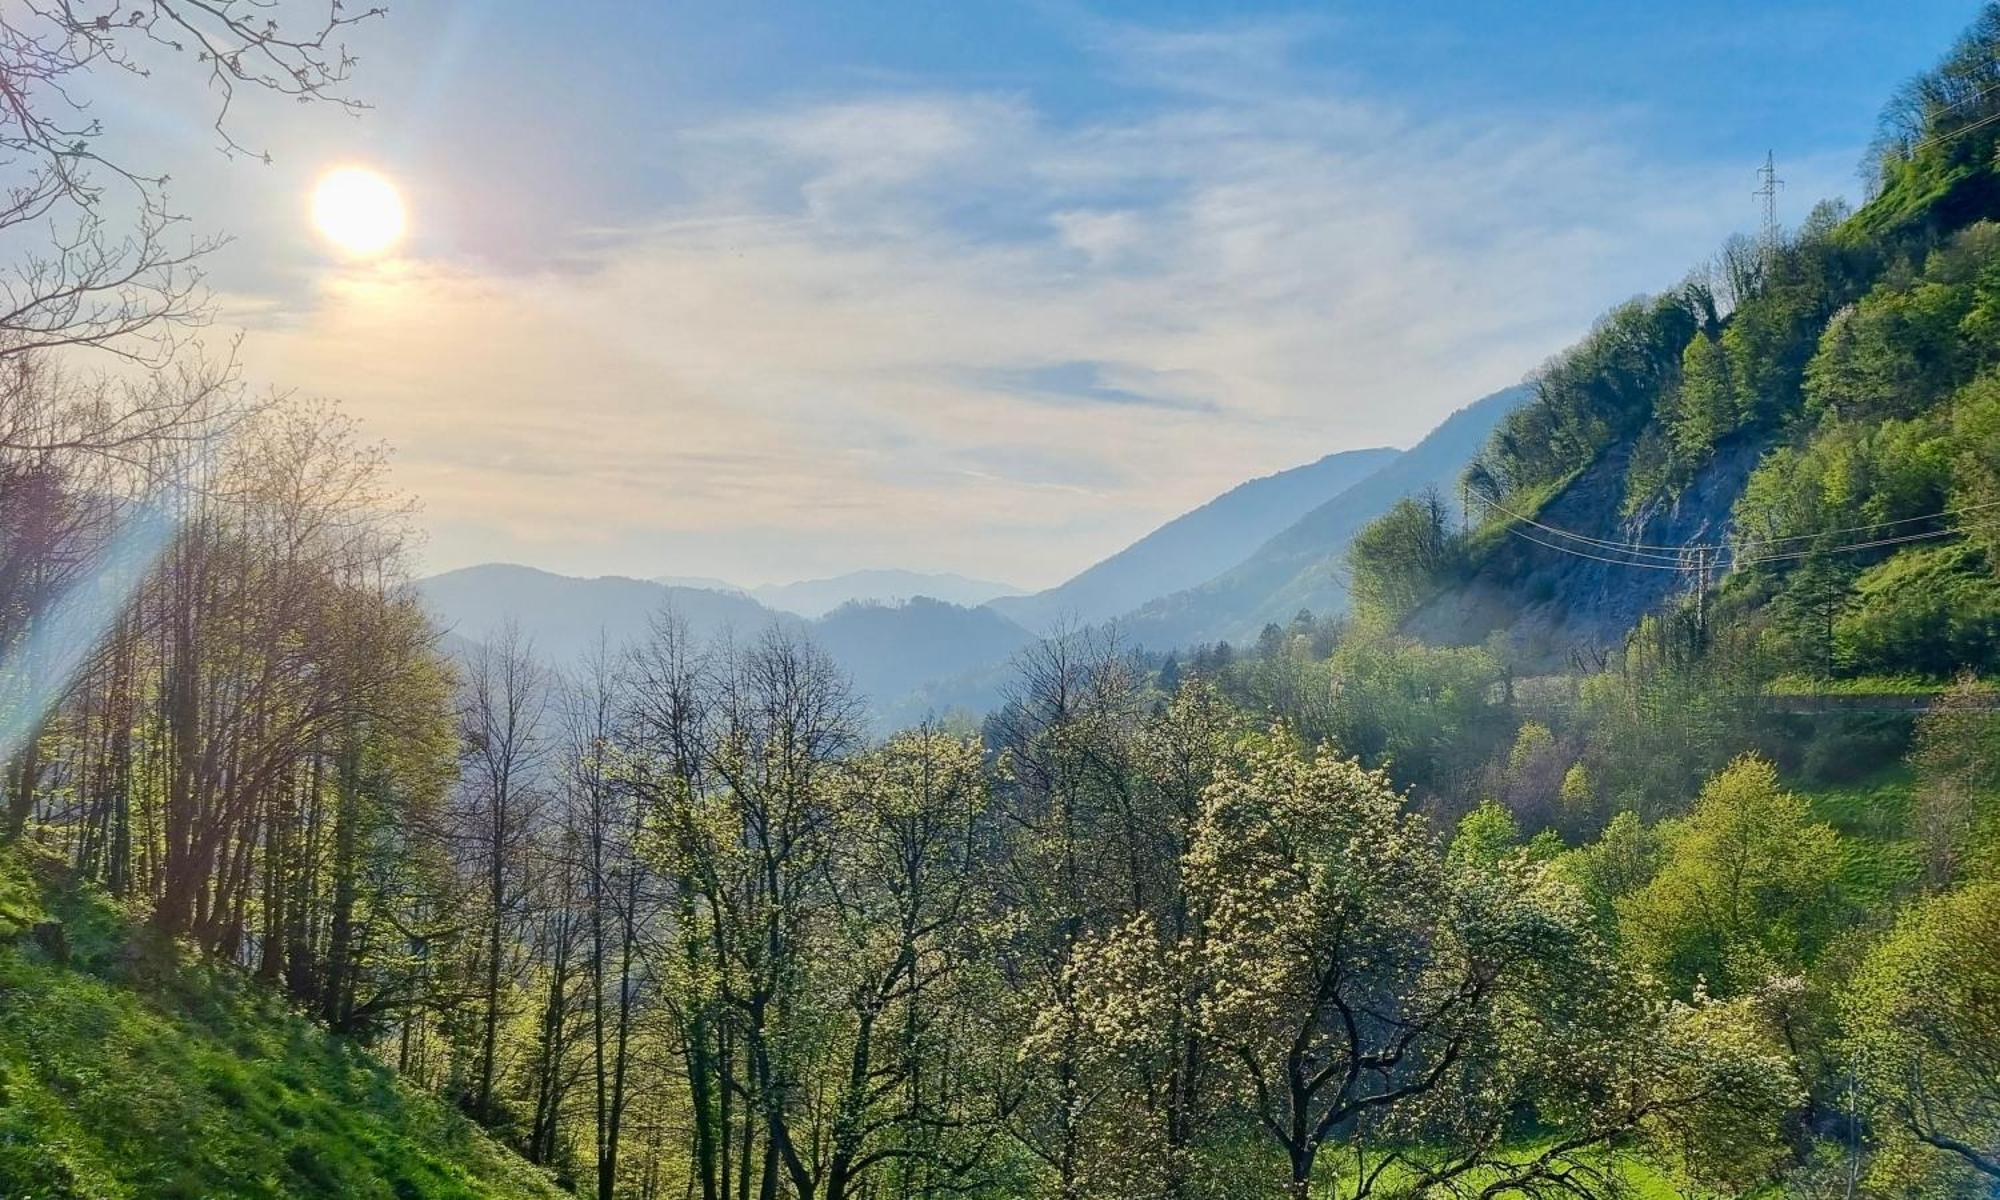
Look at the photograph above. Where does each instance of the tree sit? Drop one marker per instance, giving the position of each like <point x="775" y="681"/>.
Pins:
<point x="1433" y="716"/>
<point x="1704" y="409"/>
<point x="1956" y="755"/>
<point x="1922" y="1019"/>
<point x="1530" y="784"/>
<point x="900" y="1037"/>
<point x="1975" y="436"/>
<point x="503" y="744"/>
<point x="1400" y="1013"/>
<point x="1622" y="860"/>
<point x="1136" y="990"/>
<point x="1485" y="836"/>
<point x="1748" y="888"/>
<point x="606" y="824"/>
<point x="1401" y="557"/>
<point x="115" y="283"/>
<point x="740" y="755"/>
<point x="1072" y="863"/>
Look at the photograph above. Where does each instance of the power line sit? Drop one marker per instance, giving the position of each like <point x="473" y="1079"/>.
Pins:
<point x="1677" y="550"/>
<point x="1936" y="516"/>
<point x="1659" y="557"/>
<point x="1981" y="94"/>
<point x="1962" y="101"/>
<point x="1959" y="103"/>
<point x="1894" y="541"/>
<point x="1616" y="562"/>
<point x="1940" y="138"/>
<point x="1701" y="564"/>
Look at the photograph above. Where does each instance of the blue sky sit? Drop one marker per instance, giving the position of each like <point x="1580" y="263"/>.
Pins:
<point x="766" y="291"/>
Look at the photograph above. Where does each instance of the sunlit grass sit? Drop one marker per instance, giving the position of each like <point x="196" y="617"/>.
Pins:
<point x="126" y="1073"/>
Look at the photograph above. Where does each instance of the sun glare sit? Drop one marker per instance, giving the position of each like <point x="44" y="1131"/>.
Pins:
<point x="358" y="211"/>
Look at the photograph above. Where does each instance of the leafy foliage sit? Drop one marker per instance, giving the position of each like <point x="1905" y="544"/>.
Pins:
<point x="1748" y="889"/>
<point x="1923" y="1022"/>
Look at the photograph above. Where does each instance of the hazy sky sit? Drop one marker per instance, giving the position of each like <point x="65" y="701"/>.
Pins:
<point x="768" y="291"/>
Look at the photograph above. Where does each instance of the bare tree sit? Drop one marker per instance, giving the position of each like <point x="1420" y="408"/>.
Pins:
<point x="88" y="233"/>
<point x="503" y="748"/>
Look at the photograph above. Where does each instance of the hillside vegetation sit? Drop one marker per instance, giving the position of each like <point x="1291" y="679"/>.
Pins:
<point x="126" y="1071"/>
<point x="1617" y="882"/>
<point x="1811" y="423"/>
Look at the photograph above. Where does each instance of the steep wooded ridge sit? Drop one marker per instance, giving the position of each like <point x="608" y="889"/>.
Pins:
<point x="1808" y="424"/>
<point x="1556" y="607"/>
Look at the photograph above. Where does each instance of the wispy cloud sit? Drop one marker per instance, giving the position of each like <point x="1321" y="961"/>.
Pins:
<point x="1081" y="381"/>
<point x="953" y="332"/>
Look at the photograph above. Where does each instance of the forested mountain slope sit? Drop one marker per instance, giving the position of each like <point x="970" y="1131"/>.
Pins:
<point x="126" y="1071"/>
<point x="891" y="650"/>
<point x="1197" y="545"/>
<point x="1809" y="424"/>
<point x="1300" y="566"/>
<point x="1558" y="608"/>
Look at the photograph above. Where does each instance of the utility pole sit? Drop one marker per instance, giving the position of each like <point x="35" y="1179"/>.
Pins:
<point x="1701" y="592"/>
<point x="1767" y="191"/>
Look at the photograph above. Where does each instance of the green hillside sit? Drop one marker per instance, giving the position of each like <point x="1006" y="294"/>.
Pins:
<point x="1634" y="832"/>
<point x="1804" y="429"/>
<point x="126" y="1072"/>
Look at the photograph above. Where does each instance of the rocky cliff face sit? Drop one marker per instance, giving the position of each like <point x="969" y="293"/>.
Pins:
<point x="1551" y="607"/>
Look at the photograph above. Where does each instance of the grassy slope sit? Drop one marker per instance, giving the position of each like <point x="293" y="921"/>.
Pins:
<point x="1640" y="1179"/>
<point x="1872" y="816"/>
<point x="125" y="1073"/>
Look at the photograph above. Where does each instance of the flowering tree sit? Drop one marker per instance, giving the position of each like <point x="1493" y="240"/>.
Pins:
<point x="1412" y="1021"/>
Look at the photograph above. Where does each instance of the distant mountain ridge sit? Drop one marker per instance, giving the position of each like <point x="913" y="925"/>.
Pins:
<point x="1278" y="541"/>
<point x="1301" y="565"/>
<point x="704" y="582"/>
<point x="1197" y="545"/>
<point x="892" y="652"/>
<point x="888" y="650"/>
<point x="568" y="616"/>
<point x="818" y="597"/>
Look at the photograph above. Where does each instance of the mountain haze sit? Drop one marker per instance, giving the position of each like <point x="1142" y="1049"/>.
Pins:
<point x="567" y="616"/>
<point x="818" y="597"/>
<point x="888" y="649"/>
<point x="1300" y="567"/>
<point x="1197" y="545"/>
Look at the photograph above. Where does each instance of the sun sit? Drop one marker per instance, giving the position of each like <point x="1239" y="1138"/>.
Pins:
<point x="359" y="211"/>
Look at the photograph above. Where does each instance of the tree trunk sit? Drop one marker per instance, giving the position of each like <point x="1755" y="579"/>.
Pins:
<point x="336" y="987"/>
